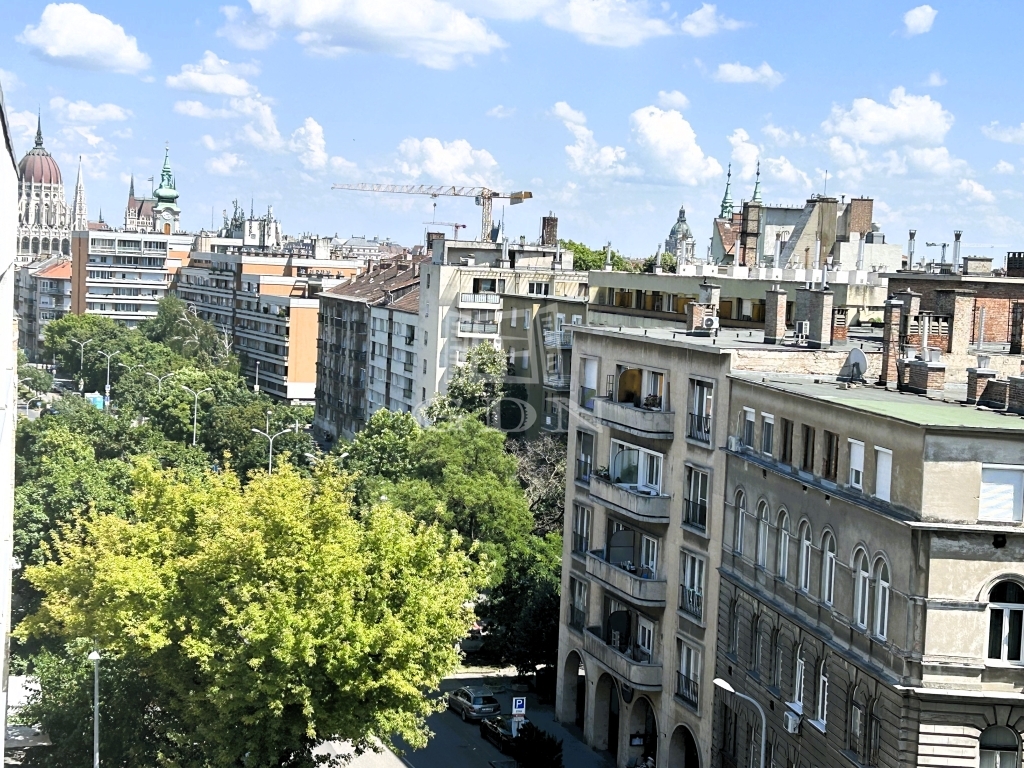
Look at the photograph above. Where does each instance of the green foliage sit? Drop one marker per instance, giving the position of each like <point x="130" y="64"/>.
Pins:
<point x="668" y="263"/>
<point x="178" y="327"/>
<point x="541" y="471"/>
<point x="585" y="259"/>
<point x="32" y="380"/>
<point x="475" y="387"/>
<point x="536" y="748"/>
<point x="227" y="433"/>
<point x="266" y="618"/>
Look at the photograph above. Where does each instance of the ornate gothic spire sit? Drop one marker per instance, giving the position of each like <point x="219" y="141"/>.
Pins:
<point x="726" y="212"/>
<point x="757" y="186"/>
<point x="39" y="129"/>
<point x="79" y="213"/>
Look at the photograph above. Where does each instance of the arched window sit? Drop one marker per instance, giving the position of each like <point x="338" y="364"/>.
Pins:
<point x="861" y="589"/>
<point x="35" y="245"/>
<point x="65" y="247"/>
<point x="24" y="244"/>
<point x="798" y="676"/>
<point x="805" y="557"/>
<point x="734" y="628"/>
<point x="882" y="599"/>
<point x="828" y="567"/>
<point x="1005" y="621"/>
<point x="741" y="512"/>
<point x="875" y="731"/>
<point x="782" y="561"/>
<point x="821" y="708"/>
<point x="997" y="747"/>
<point x="855" y="737"/>
<point x="762" y="534"/>
<point x="755" y="645"/>
<point x="46" y="244"/>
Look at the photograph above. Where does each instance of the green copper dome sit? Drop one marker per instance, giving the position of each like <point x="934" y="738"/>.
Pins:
<point x="166" y="193"/>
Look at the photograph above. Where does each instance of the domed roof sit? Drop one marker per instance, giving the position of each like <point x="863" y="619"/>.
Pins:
<point x="681" y="230"/>
<point x="38" y="165"/>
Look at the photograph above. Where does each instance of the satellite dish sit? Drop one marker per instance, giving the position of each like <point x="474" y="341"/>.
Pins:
<point x="855" y="367"/>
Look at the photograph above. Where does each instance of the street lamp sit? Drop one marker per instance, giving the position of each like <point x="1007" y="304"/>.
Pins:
<point x="726" y="686"/>
<point x="131" y="367"/>
<point x="94" y="657"/>
<point x="81" y="362"/>
<point x="160" y="380"/>
<point x="256" y="386"/>
<point x="195" y="408"/>
<point x="106" y="388"/>
<point x="271" y="438"/>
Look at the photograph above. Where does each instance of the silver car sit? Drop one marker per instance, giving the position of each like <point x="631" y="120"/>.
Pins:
<point x="473" y="702"/>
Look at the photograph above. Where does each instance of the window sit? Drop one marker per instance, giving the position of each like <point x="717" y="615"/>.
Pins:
<point x="883" y="473"/>
<point x="526" y="319"/>
<point x="539" y="289"/>
<point x="755" y="646"/>
<point x="861" y="589"/>
<point x="856" y="478"/>
<point x="645" y="636"/>
<point x="734" y="628"/>
<point x="630" y="465"/>
<point x="776" y="661"/>
<point x="805" y="557"/>
<point x="798" y="678"/>
<point x="691" y="592"/>
<point x="1001" y="494"/>
<point x="649" y="556"/>
<point x="828" y="568"/>
<point x="875" y="732"/>
<point x="997" y="747"/>
<point x="695" y="507"/>
<point x="807" y="460"/>
<point x="782" y="566"/>
<point x="747" y="426"/>
<point x="830" y="461"/>
<point x="512" y="319"/>
<point x="762" y="534"/>
<point x="1006" y="622"/>
<point x="655" y="384"/>
<point x="689" y="674"/>
<point x="767" y="434"/>
<point x="584" y="455"/>
<point x="578" y="592"/>
<point x="741" y="512"/>
<point x="701" y="405"/>
<point x="821" y="712"/>
<point x="786" y="449"/>
<point x="856" y="736"/>
<point x="881" y="599"/>
<point x="580" y="528"/>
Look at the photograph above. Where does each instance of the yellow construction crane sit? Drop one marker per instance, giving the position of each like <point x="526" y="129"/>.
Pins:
<point x="484" y="197"/>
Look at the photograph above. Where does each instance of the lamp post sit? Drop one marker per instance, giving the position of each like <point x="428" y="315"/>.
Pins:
<point x="256" y="386"/>
<point x="81" y="362"/>
<point x="160" y="380"/>
<point x="726" y="686"/>
<point x="271" y="438"/>
<point x="195" y="408"/>
<point x="94" y="657"/>
<point x="131" y="367"/>
<point x="106" y="387"/>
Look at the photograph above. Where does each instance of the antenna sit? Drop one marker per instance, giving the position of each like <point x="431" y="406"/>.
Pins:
<point x="824" y="191"/>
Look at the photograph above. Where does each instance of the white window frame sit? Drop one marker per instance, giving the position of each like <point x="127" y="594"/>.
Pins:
<point x="581" y="520"/>
<point x="821" y="705"/>
<point x="689" y="661"/>
<point x="526" y="319"/>
<point x="883" y="490"/>
<point x="804" y="575"/>
<point x="782" y="556"/>
<point x="828" y="568"/>
<point x="882" y="595"/>
<point x="861" y="589"/>
<point x="741" y="510"/>
<point x="512" y="320"/>
<point x="767" y="429"/>
<point x="856" y="474"/>
<point x="798" y="680"/>
<point x="694" y="568"/>
<point x="644" y="458"/>
<point x="649" y="552"/>
<point x="749" y="424"/>
<point x="645" y="632"/>
<point x="763" y="523"/>
<point x="1017" y="502"/>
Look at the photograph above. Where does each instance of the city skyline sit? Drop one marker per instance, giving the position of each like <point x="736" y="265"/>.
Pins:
<point x="612" y="113"/>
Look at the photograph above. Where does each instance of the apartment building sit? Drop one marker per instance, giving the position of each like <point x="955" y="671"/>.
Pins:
<point x="42" y="294"/>
<point x="123" y="275"/>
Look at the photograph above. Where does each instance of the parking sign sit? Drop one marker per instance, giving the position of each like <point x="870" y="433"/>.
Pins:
<point x="518" y="705"/>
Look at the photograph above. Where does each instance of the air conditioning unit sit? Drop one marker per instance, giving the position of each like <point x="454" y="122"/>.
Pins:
<point x="733" y="443"/>
<point x="803" y="328"/>
<point x="710" y="322"/>
<point x="792" y="722"/>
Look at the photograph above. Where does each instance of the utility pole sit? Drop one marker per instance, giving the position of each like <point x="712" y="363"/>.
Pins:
<point x="81" y="362"/>
<point x="106" y="388"/>
<point x="195" y="407"/>
<point x="94" y="657"/>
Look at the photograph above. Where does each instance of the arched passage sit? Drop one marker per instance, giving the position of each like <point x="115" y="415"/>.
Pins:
<point x="606" y="715"/>
<point x="682" y="749"/>
<point x="643" y="730"/>
<point x="574" y="690"/>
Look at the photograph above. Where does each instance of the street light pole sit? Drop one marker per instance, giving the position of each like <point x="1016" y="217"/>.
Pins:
<point x="271" y="438"/>
<point x="160" y="380"/>
<point x="106" y="388"/>
<point x="195" y="408"/>
<point x="256" y="387"/>
<point x="94" y="657"/>
<point x="81" y="361"/>
<point x="726" y="686"/>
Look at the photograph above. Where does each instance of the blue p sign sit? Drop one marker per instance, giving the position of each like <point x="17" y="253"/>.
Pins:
<point x="518" y="705"/>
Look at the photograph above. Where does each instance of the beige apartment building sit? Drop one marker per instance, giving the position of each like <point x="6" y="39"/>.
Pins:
<point x="42" y="295"/>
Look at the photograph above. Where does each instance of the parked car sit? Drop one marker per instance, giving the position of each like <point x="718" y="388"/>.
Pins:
<point x="498" y="731"/>
<point x="473" y="702"/>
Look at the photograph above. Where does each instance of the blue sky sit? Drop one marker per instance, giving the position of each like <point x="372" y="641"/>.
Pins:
<point x="612" y="112"/>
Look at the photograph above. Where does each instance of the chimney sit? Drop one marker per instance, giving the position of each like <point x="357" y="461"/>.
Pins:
<point x="1015" y="399"/>
<point x="705" y="307"/>
<point x="608" y="257"/>
<point x="891" y="342"/>
<point x="710" y="294"/>
<point x="977" y="381"/>
<point x="910" y="249"/>
<point x="926" y="378"/>
<point x="958" y="305"/>
<point x="549" y="229"/>
<point x="1017" y="330"/>
<point x="820" y="316"/>
<point x="956" y="249"/>
<point x="774" y="315"/>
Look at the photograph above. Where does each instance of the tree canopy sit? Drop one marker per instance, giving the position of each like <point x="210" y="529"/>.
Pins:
<point x="585" y="259"/>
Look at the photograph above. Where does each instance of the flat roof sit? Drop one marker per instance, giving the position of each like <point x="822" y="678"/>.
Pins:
<point x="728" y="339"/>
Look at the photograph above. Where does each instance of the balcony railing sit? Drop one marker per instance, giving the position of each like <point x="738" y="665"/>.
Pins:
<point x="580" y="542"/>
<point x="577" y="618"/>
<point x="481" y="298"/>
<point x="699" y="428"/>
<point x="691" y="601"/>
<point x="556" y="381"/>
<point x="624" y="658"/>
<point x="644" y="422"/>
<point x="639" y="583"/>
<point x="687" y="689"/>
<point x="587" y="395"/>
<point x="467" y="326"/>
<point x="695" y="514"/>
<point x="583" y="469"/>
<point x="631" y="501"/>
<point x="560" y="339"/>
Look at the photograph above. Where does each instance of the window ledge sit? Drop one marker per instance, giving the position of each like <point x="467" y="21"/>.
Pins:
<point x="817" y="724"/>
<point x="796" y="706"/>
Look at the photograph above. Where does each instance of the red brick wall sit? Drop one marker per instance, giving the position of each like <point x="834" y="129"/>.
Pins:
<point x="996" y="298"/>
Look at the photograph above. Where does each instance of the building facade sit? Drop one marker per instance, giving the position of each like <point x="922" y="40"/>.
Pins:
<point x="159" y="213"/>
<point x="42" y="295"/>
<point x="45" y="221"/>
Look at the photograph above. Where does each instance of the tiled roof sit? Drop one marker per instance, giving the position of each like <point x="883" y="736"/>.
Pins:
<point x="373" y="286"/>
<point x="410" y="302"/>
<point x="59" y="271"/>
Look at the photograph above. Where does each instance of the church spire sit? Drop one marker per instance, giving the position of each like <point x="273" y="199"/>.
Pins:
<point x="726" y="212"/>
<point x="757" y="186"/>
<point x="79" y="212"/>
<point x="131" y="188"/>
<point x="39" y="129"/>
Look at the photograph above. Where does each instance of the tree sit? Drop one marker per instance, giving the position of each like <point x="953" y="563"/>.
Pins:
<point x="34" y="380"/>
<point x="268" y="618"/>
<point x="585" y="259"/>
<point x="381" y="453"/>
<point x="228" y="435"/>
<point x="668" y="263"/>
<point x="179" y="327"/>
<point x="475" y="387"/>
<point x="536" y="748"/>
<point x="541" y="473"/>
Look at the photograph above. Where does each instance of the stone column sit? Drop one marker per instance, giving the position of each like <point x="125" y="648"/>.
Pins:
<point x="775" y="315"/>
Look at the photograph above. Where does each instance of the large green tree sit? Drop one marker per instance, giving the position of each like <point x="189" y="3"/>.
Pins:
<point x="475" y="387"/>
<point x="267" y="618"/>
<point x="585" y="259"/>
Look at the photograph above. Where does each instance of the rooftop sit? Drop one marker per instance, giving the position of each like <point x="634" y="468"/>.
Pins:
<point x="60" y="270"/>
<point x="373" y="287"/>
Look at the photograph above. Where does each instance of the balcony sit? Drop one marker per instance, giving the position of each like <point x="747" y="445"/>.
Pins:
<point x="691" y="602"/>
<point x="627" y="581"/>
<point x="630" y="501"/>
<point x="477" y="300"/>
<point x="467" y="328"/>
<point x="698" y="428"/>
<point x="629" y="662"/>
<point x="688" y="690"/>
<point x="695" y="514"/>
<point x="556" y="381"/>
<point x="558" y="339"/>
<point x="656" y="424"/>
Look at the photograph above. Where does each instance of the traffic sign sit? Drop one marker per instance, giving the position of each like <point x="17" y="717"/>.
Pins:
<point x="518" y="705"/>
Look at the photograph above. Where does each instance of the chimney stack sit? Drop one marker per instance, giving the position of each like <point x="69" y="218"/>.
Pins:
<point x="956" y="249"/>
<point x="1017" y="330"/>
<point x="549" y="229"/>
<point x="891" y="342"/>
<point x="958" y="305"/>
<point x="910" y="249"/>
<point x="820" y="316"/>
<point x="775" y="315"/>
<point x="608" y="257"/>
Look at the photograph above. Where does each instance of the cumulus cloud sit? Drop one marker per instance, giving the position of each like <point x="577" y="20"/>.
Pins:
<point x="214" y="75"/>
<point x="672" y="100"/>
<point x="744" y="153"/>
<point x="615" y="23"/>
<point x="198" y="109"/>
<point x="501" y="111"/>
<point x="975" y="191"/>
<point x="23" y="124"/>
<point x="783" y="137"/>
<point x="935" y="79"/>
<point x="1007" y="135"/>
<point x="741" y="73"/>
<point x="585" y="154"/>
<point x="907" y="118"/>
<point x="451" y="162"/>
<point x="919" y="20"/>
<point x="225" y="164"/>
<point x="672" y="143"/>
<point x="84" y="112"/>
<point x="936" y="160"/>
<point x="68" y="33"/>
<point x="9" y="81"/>
<point x="1003" y="167"/>
<point x="309" y="143"/>
<point x="782" y="169"/>
<point x="244" y="31"/>
<point x="261" y="130"/>
<point x="706" y="21"/>
<point x="341" y="164"/>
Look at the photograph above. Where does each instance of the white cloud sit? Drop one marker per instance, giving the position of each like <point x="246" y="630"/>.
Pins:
<point x="225" y="164"/>
<point x="707" y="21"/>
<point x="452" y="162"/>
<point x="341" y="164"/>
<point x="1003" y="167"/>
<point x="309" y="142"/>
<point x="243" y="31"/>
<point x="261" y="130"/>
<point x="1008" y="135"/>
<point x="84" y="112"/>
<point x="198" y="109"/>
<point x="936" y="160"/>
<point x="672" y="100"/>
<point x="23" y="124"/>
<point x="214" y="75"/>
<point x="9" y="81"/>
<point x="672" y="143"/>
<point x="68" y="33"/>
<point x="86" y="132"/>
<point x="919" y="20"/>
<point x="783" y="137"/>
<point x="431" y="32"/>
<point x="585" y="154"/>
<point x="935" y="79"/>
<point x="744" y="153"/>
<point x="975" y="191"/>
<point x="214" y="145"/>
<point x="615" y="23"/>
<point x="741" y="73"/>
<point x="912" y="119"/>
<point x="501" y="111"/>
<point x="783" y="170"/>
